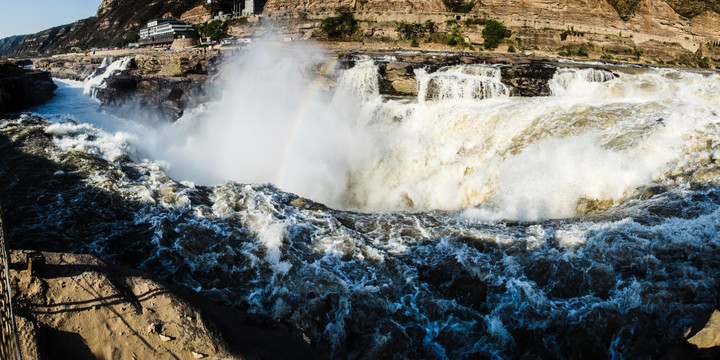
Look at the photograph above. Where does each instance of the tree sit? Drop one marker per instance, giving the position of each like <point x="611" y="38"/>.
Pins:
<point x="455" y="37"/>
<point x="408" y="30"/>
<point x="430" y="26"/>
<point x="493" y="32"/>
<point x="213" y="30"/>
<point x="459" y="6"/>
<point x="340" y="26"/>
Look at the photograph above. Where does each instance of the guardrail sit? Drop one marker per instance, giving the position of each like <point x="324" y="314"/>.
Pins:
<point x="9" y="346"/>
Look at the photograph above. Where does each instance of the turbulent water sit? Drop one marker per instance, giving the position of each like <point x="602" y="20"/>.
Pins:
<point x="461" y="224"/>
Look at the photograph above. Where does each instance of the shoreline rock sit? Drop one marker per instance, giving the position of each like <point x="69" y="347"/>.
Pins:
<point x="21" y="88"/>
<point x="82" y="307"/>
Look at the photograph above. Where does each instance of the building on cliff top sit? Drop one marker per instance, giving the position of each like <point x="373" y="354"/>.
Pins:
<point x="165" y="31"/>
<point x="253" y="7"/>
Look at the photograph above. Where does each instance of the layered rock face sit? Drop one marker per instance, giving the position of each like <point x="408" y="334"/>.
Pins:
<point x="197" y="15"/>
<point x="592" y="11"/>
<point x="21" y="89"/>
<point x="72" y="68"/>
<point x="282" y="6"/>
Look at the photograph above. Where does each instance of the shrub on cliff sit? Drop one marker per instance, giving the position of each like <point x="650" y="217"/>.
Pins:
<point x="343" y="25"/>
<point x="704" y="63"/>
<point x="407" y="30"/>
<point x="624" y="8"/>
<point x="493" y="33"/>
<point x="455" y="37"/>
<point x="459" y="6"/>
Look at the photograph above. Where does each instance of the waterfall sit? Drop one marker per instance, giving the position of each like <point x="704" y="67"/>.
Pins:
<point x="575" y="81"/>
<point x="468" y="82"/>
<point x="97" y="80"/>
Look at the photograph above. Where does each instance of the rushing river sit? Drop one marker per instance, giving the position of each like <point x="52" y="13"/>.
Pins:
<point x="462" y="224"/>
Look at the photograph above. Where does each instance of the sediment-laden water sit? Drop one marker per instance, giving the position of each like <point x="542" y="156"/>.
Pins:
<point x="461" y="224"/>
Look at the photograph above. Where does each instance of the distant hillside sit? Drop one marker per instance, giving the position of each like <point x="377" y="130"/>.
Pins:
<point x="8" y="43"/>
<point x="115" y="22"/>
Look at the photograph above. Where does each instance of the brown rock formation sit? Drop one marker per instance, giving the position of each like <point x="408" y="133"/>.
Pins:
<point x="197" y="15"/>
<point x="282" y="6"/>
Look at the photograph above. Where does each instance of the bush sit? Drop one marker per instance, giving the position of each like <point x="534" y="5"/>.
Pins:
<point x="408" y="30"/>
<point x="475" y="21"/>
<point x="582" y="52"/>
<point x="343" y="25"/>
<point x="704" y="63"/>
<point x="459" y="6"/>
<point x="214" y="29"/>
<point x="414" y="42"/>
<point x="511" y="49"/>
<point x="493" y="32"/>
<point x="430" y="26"/>
<point x="455" y="37"/>
<point x="625" y="8"/>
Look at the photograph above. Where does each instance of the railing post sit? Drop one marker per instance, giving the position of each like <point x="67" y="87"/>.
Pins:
<point x="9" y="346"/>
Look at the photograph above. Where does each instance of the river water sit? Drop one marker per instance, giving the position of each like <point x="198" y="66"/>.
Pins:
<point x="461" y="224"/>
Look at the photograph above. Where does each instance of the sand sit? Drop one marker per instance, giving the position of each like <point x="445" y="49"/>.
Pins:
<point x="83" y="308"/>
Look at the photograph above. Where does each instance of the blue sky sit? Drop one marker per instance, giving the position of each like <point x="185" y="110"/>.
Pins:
<point x="19" y="17"/>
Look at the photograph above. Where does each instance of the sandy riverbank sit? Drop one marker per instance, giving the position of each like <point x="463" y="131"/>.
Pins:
<point x="83" y="308"/>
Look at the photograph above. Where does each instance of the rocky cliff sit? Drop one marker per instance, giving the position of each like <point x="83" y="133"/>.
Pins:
<point x="116" y="22"/>
<point x="9" y="43"/>
<point x="599" y="10"/>
<point x="21" y="88"/>
<point x="281" y="6"/>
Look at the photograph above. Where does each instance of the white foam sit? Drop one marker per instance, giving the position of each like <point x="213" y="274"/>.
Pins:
<point x="98" y="80"/>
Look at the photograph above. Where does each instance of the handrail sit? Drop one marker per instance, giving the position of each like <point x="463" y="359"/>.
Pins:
<point x="9" y="345"/>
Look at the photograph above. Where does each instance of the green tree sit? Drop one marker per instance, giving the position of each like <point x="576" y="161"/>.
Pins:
<point x="455" y="37"/>
<point x="430" y="26"/>
<point x="214" y="29"/>
<point x="493" y="32"/>
<point x="408" y="30"/>
<point x="459" y="6"/>
<point x="341" y="26"/>
<point x="704" y="63"/>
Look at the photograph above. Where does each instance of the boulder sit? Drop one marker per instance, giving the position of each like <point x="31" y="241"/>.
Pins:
<point x="529" y="79"/>
<point x="21" y="88"/>
<point x="707" y="334"/>
<point x="398" y="78"/>
<point x="160" y="97"/>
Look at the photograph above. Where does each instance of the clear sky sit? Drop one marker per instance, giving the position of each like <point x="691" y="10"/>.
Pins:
<point x="19" y="17"/>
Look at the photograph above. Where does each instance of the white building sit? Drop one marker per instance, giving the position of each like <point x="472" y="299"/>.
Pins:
<point x="253" y="7"/>
<point x="161" y="31"/>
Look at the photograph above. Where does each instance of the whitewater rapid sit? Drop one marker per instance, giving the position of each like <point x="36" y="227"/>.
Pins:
<point x="464" y="223"/>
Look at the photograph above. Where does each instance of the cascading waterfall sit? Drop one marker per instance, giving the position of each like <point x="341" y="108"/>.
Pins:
<point x="568" y="81"/>
<point x="461" y="82"/>
<point x="579" y="225"/>
<point x="97" y="80"/>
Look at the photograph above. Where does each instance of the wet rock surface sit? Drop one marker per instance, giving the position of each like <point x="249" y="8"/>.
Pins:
<point x="21" y="88"/>
<point x="166" y="97"/>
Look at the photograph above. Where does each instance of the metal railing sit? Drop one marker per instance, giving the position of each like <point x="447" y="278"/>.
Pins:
<point x="9" y="346"/>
